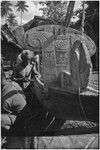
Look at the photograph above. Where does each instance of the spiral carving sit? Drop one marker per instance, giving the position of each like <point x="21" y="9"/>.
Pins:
<point x="42" y="33"/>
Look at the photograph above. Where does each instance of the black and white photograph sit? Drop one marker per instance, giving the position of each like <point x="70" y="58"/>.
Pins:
<point x="49" y="74"/>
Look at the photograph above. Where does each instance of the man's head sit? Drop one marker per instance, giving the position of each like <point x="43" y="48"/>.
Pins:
<point x="27" y="55"/>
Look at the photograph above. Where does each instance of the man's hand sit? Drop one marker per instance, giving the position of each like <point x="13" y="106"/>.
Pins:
<point x="5" y="122"/>
<point x="3" y="141"/>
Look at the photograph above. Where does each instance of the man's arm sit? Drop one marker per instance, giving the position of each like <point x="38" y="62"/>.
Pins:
<point x="16" y="74"/>
<point x="36" y="73"/>
<point x="20" y="79"/>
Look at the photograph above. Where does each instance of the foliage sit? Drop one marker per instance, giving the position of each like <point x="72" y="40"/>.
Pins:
<point x="91" y="18"/>
<point x="92" y="27"/>
<point x="5" y="8"/>
<point x="22" y="7"/>
<point x="54" y="10"/>
<point x="11" y="20"/>
<point x="78" y="13"/>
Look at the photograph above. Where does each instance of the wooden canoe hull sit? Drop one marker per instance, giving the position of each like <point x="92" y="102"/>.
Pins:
<point x="66" y="105"/>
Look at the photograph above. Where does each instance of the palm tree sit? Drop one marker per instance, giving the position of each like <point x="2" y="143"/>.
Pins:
<point x="5" y="9"/>
<point x="21" y="7"/>
<point x="11" y="20"/>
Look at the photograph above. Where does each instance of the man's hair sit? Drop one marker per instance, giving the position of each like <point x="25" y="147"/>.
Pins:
<point x="27" y="55"/>
<point x="2" y="69"/>
<point x="24" y="57"/>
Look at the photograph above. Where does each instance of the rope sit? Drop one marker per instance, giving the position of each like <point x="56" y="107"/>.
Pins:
<point x="82" y="106"/>
<point x="50" y="123"/>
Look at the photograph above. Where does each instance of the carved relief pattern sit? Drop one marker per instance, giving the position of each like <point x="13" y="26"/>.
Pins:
<point x="50" y="77"/>
<point x="49" y="59"/>
<point x="50" y="48"/>
<point x="56" y="58"/>
<point x="62" y="44"/>
<point x="61" y="58"/>
<point x="49" y="67"/>
<point x="62" y="52"/>
<point x="69" y="31"/>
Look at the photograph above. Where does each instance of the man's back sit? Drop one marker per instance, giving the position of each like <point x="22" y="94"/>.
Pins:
<point x="12" y="98"/>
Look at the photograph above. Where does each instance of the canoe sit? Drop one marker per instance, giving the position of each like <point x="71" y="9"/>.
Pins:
<point x="68" y="105"/>
<point x="65" y="68"/>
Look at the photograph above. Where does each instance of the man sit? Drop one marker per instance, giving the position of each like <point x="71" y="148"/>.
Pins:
<point x="13" y="102"/>
<point x="21" y="55"/>
<point x="25" y="69"/>
<point x="12" y="96"/>
<point x="24" y="74"/>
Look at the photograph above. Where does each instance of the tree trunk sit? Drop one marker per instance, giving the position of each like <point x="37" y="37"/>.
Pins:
<point x="21" y="17"/>
<point x="5" y="19"/>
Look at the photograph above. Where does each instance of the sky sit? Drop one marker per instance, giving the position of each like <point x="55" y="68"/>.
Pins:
<point x="33" y="10"/>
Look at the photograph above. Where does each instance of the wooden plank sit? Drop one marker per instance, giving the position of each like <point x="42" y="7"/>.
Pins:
<point x="68" y="142"/>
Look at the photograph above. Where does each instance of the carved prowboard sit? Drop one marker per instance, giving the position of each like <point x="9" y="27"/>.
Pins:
<point x="56" y="58"/>
<point x="60" y="56"/>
